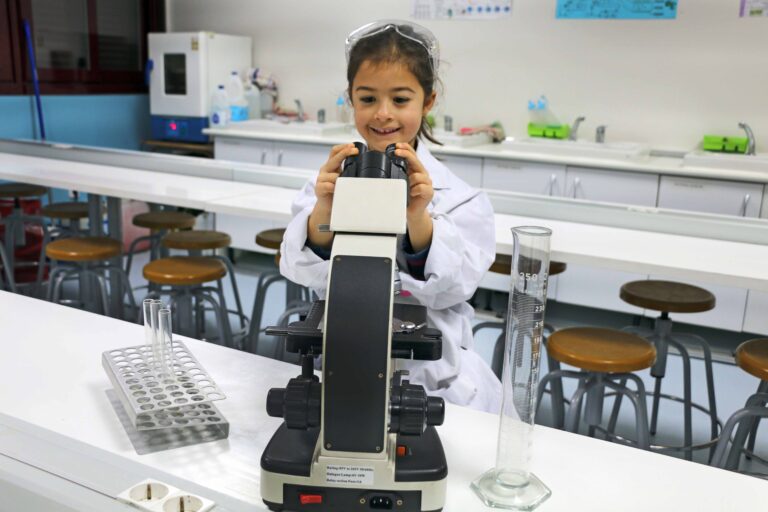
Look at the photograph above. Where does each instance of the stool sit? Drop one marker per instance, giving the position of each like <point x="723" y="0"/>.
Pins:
<point x="672" y="297"/>
<point x="752" y="357"/>
<point x="159" y="223"/>
<point x="503" y="265"/>
<point x="297" y="298"/>
<point x="182" y="279"/>
<point x="604" y="357"/>
<point x="86" y="257"/>
<point x="71" y="212"/>
<point x="15" y="235"/>
<point x="197" y="241"/>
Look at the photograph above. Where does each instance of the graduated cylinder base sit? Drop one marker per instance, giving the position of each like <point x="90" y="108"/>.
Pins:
<point x="527" y="496"/>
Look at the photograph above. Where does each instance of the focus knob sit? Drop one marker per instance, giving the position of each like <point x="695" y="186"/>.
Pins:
<point x="298" y="403"/>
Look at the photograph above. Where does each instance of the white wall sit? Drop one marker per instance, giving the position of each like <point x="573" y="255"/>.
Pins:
<point x="663" y="82"/>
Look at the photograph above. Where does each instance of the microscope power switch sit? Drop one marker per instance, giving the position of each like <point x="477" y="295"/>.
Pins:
<point x="310" y="499"/>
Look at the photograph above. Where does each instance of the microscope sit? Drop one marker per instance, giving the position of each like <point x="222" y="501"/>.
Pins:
<point x="364" y="438"/>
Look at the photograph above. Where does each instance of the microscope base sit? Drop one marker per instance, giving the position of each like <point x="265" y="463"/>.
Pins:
<point x="289" y="472"/>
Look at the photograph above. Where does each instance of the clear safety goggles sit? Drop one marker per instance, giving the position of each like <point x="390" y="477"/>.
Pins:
<point x="419" y="35"/>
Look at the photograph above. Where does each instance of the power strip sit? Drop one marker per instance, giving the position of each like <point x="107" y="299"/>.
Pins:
<point x="153" y="496"/>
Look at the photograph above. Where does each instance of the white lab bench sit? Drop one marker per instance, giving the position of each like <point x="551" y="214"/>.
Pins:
<point x="60" y="437"/>
<point x="596" y="254"/>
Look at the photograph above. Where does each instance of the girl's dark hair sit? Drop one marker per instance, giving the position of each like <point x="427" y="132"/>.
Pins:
<point x="389" y="46"/>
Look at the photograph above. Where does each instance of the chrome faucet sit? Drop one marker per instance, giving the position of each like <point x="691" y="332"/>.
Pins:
<point x="575" y="128"/>
<point x="600" y="134"/>
<point x="300" y="109"/>
<point x="750" y="138"/>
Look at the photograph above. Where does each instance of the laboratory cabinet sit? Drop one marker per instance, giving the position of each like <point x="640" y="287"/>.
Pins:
<point x="726" y="198"/>
<point x="611" y="186"/>
<point x="737" y="198"/>
<point x="252" y="151"/>
<point x="525" y="177"/>
<point x="598" y="287"/>
<point x="301" y="156"/>
<point x="469" y="169"/>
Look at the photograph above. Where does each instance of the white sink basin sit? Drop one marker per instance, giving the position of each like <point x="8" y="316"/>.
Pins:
<point x="305" y="128"/>
<point x="579" y="148"/>
<point x="726" y="161"/>
<point x="461" y="141"/>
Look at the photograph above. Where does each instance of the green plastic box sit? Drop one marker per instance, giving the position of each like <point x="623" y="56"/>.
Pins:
<point x="550" y="132"/>
<point x="724" y="144"/>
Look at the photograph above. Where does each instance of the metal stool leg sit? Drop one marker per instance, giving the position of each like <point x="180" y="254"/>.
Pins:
<point x="265" y="281"/>
<point x="225" y="334"/>
<point x="687" y="401"/>
<point x="731" y="462"/>
<point x="638" y="400"/>
<point x="8" y="271"/>
<point x="761" y="388"/>
<point x="574" y="412"/>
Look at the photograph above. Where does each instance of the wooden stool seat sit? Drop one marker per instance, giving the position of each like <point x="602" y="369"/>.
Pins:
<point x="601" y="350"/>
<point x="184" y="270"/>
<point x="196" y="240"/>
<point x="72" y="210"/>
<point x="90" y="248"/>
<point x="503" y="265"/>
<point x="164" y="220"/>
<point x="667" y="296"/>
<point x="270" y="238"/>
<point x="752" y="357"/>
<point x="21" y="190"/>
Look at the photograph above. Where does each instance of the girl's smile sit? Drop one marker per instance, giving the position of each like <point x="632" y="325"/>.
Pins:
<point x="389" y="104"/>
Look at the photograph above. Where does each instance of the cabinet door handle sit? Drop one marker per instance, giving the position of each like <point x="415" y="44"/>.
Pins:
<point x="552" y="181"/>
<point x="576" y="184"/>
<point x="280" y="158"/>
<point x="744" y="205"/>
<point x="263" y="157"/>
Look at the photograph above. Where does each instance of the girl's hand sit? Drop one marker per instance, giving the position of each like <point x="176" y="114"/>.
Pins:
<point x="329" y="173"/>
<point x="420" y="189"/>
<point x="324" y="188"/>
<point x="420" y="193"/>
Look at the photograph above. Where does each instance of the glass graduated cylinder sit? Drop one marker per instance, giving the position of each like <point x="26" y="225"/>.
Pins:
<point x="525" y="321"/>
<point x="510" y="484"/>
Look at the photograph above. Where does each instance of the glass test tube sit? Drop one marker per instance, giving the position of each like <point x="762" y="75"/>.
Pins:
<point x="146" y="310"/>
<point x="157" y="352"/>
<point x="510" y="484"/>
<point x="165" y="340"/>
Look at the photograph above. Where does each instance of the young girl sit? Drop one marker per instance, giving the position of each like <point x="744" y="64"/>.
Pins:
<point x="449" y="244"/>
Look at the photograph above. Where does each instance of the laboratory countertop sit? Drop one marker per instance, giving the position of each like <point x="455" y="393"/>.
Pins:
<point x="655" y="164"/>
<point x="715" y="261"/>
<point x="55" y="416"/>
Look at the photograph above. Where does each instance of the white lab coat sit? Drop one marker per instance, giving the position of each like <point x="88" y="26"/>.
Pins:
<point x="462" y="250"/>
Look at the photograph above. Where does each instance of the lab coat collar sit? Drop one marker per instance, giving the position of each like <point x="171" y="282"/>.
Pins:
<point x="438" y="172"/>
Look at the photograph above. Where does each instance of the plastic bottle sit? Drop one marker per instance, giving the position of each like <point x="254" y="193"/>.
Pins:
<point x="342" y="113"/>
<point x="548" y="118"/>
<point x="219" y="108"/>
<point x="253" y="98"/>
<point x="238" y="106"/>
<point x="534" y="114"/>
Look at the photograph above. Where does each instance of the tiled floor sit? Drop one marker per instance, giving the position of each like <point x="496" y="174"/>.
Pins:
<point x="733" y="386"/>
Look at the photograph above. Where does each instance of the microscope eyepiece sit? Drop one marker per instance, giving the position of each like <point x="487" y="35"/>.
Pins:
<point x="374" y="164"/>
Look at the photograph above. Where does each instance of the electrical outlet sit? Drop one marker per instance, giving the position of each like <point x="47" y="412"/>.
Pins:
<point x="154" y="496"/>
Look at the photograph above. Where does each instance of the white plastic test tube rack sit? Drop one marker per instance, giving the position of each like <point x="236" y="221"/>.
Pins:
<point x="161" y="384"/>
<point x="155" y="496"/>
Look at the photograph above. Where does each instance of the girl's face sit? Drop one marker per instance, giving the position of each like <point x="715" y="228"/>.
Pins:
<point x="389" y="104"/>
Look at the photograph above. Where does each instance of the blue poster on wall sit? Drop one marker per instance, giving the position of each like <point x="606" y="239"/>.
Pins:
<point x="617" y="9"/>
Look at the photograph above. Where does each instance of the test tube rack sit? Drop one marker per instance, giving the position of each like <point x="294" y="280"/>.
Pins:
<point x="165" y="405"/>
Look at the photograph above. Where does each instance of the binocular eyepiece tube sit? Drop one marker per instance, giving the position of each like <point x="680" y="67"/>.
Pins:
<point x="374" y="164"/>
